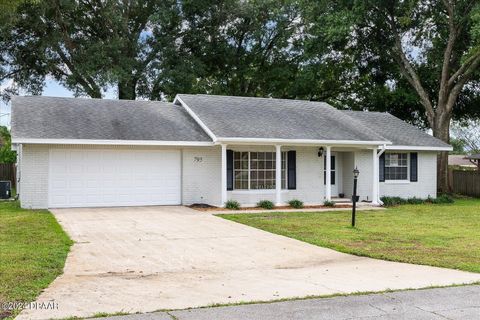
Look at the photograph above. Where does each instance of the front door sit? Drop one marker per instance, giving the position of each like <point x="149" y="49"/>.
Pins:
<point x="333" y="176"/>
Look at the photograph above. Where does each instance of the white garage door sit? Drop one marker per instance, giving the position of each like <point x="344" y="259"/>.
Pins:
<point x="96" y="178"/>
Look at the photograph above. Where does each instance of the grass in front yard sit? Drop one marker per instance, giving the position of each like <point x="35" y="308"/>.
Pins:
<point x="33" y="249"/>
<point x="438" y="235"/>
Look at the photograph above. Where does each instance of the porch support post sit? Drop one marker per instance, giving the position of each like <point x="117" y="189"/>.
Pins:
<point x="224" y="174"/>
<point x="328" y="173"/>
<point x="375" y="200"/>
<point x="278" y="175"/>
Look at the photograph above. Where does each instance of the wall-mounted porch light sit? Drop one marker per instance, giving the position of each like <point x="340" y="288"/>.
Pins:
<point x="320" y="152"/>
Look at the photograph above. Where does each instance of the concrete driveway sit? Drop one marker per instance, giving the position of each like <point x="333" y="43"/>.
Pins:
<point x="151" y="258"/>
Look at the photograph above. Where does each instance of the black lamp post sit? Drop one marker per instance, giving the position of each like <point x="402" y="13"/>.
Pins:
<point x="354" y="197"/>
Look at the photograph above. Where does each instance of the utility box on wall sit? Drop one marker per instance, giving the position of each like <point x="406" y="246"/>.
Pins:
<point x="5" y="189"/>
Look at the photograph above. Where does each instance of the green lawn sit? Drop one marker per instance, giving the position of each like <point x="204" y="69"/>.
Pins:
<point x="33" y="249"/>
<point x="438" y="235"/>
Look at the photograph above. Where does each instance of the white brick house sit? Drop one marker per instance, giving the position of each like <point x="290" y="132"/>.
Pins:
<point x="210" y="149"/>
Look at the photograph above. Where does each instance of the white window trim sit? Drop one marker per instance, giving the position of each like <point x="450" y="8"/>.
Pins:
<point x="256" y="191"/>
<point x="403" y="181"/>
<point x="397" y="181"/>
<point x="249" y="190"/>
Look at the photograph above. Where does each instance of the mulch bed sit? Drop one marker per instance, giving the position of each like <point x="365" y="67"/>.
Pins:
<point x="206" y="207"/>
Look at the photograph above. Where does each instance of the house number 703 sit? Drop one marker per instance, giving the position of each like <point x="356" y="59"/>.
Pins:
<point x="197" y="159"/>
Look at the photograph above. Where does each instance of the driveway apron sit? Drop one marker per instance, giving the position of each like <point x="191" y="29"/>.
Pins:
<point x="144" y="259"/>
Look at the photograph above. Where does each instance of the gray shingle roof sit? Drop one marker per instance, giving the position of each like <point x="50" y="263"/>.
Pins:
<point x="397" y="131"/>
<point x="100" y="119"/>
<point x="227" y="117"/>
<point x="242" y="117"/>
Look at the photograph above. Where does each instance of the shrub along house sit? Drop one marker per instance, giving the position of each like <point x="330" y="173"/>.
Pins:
<point x="210" y="149"/>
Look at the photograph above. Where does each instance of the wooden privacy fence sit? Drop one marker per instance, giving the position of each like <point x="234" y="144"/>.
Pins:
<point x="466" y="182"/>
<point x="7" y="172"/>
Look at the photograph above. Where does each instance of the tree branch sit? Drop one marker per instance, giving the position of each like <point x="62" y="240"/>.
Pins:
<point x="463" y="69"/>
<point x="413" y="78"/>
<point x="447" y="55"/>
<point x="467" y="75"/>
<point x="90" y="87"/>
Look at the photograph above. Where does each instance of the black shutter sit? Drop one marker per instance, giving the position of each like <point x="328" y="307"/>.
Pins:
<point x="229" y="169"/>
<point x="292" y="170"/>
<point x="414" y="167"/>
<point x="381" y="168"/>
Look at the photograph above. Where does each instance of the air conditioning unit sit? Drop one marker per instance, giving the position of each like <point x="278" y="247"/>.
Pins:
<point x="5" y="189"/>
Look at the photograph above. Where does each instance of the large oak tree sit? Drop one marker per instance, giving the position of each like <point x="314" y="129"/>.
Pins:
<point x="417" y="59"/>
<point x="431" y="46"/>
<point x="87" y="45"/>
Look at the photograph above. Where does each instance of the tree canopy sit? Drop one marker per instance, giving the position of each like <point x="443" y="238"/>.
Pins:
<point x="417" y="59"/>
<point x="6" y="153"/>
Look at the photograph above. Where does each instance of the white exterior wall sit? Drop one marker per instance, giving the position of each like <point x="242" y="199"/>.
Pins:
<point x="424" y="187"/>
<point x="201" y="179"/>
<point x="34" y="177"/>
<point x="310" y="188"/>
<point x="339" y="173"/>
<point x="201" y="175"/>
<point x="347" y="173"/>
<point x="363" y="160"/>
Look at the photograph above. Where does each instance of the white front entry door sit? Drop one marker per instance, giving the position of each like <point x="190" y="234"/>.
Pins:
<point x="113" y="177"/>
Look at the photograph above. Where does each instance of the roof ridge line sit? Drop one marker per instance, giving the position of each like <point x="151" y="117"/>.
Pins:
<point x="249" y="97"/>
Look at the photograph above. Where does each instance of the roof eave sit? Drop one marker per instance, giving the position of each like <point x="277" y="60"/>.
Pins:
<point x="273" y="141"/>
<point x="419" y="148"/>
<point x="112" y="142"/>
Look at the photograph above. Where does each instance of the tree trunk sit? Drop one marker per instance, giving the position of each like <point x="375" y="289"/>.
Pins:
<point x="441" y="130"/>
<point x="127" y="90"/>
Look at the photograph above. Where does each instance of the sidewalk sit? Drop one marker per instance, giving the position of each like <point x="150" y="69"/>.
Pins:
<point x="453" y="303"/>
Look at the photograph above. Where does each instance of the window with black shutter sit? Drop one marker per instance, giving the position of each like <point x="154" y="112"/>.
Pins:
<point x="381" y="168"/>
<point x="229" y="169"/>
<point x="414" y="167"/>
<point x="292" y="170"/>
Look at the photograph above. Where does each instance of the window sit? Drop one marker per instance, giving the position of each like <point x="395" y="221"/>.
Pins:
<point x="256" y="170"/>
<point x="240" y="166"/>
<point x="396" y="166"/>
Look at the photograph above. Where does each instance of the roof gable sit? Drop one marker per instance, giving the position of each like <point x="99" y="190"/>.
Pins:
<point x="265" y="118"/>
<point x="396" y="130"/>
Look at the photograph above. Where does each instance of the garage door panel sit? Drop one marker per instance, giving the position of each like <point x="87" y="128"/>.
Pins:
<point x="84" y="178"/>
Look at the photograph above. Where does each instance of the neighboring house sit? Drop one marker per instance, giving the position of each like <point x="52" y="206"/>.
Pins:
<point x="474" y="159"/>
<point x="209" y="149"/>
<point x="460" y="160"/>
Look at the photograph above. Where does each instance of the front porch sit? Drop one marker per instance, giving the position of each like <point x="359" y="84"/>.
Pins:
<point x="312" y="174"/>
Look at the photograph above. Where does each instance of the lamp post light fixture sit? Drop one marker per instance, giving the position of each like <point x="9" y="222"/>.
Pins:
<point x="356" y="173"/>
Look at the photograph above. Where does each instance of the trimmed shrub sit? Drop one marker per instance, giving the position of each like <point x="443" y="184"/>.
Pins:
<point x="441" y="199"/>
<point x="327" y="203"/>
<point x="392" y="201"/>
<point x="232" y="205"/>
<point x="265" y="204"/>
<point x="415" y="200"/>
<point x="295" y="203"/>
<point x="396" y="201"/>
